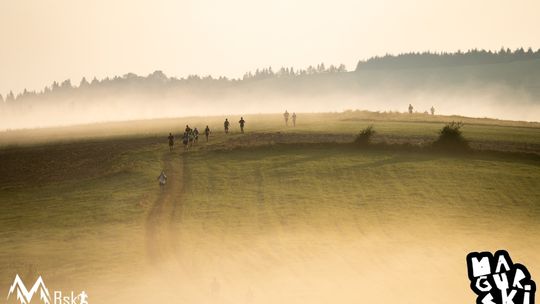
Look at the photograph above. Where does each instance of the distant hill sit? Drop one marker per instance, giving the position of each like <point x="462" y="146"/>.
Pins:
<point x="503" y="84"/>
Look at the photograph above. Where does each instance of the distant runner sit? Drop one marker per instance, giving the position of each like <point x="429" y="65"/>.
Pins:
<point x="196" y="135"/>
<point x="191" y="137"/>
<point x="410" y="108"/>
<point x="432" y="110"/>
<point x="188" y="129"/>
<point x="185" y="140"/>
<point x="171" y="141"/>
<point x="286" y="116"/>
<point x="162" y="178"/>
<point x="226" y="125"/>
<point x="207" y="132"/>
<point x="294" y="119"/>
<point x="242" y="122"/>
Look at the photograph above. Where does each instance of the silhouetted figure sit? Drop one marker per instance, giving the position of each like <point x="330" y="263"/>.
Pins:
<point x="226" y="125"/>
<point x="191" y="137"/>
<point x="185" y="140"/>
<point x="286" y="117"/>
<point x="432" y="110"/>
<point x="207" y="133"/>
<point x="188" y="129"/>
<point x="294" y="119"/>
<point x="171" y="142"/>
<point x="410" y="108"/>
<point x="196" y="135"/>
<point x="242" y="122"/>
<point x="162" y="178"/>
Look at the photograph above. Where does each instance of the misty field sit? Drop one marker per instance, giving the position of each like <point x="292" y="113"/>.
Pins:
<point x="275" y="215"/>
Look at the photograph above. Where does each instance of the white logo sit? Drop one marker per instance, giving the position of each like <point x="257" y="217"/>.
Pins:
<point x="25" y="296"/>
<point x="497" y="280"/>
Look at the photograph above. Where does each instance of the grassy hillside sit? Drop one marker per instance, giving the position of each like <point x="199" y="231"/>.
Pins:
<point x="310" y="221"/>
<point x="75" y="210"/>
<point x="275" y="215"/>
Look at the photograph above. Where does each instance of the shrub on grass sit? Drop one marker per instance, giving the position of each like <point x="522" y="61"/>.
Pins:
<point x="364" y="137"/>
<point x="451" y="138"/>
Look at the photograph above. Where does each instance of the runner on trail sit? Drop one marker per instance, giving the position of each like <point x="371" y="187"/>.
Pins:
<point x="191" y="137"/>
<point x="162" y="178"/>
<point x="185" y="140"/>
<point x="171" y="141"/>
<point x="294" y="119"/>
<point x="196" y="135"/>
<point x="226" y="125"/>
<point x="242" y="122"/>
<point x="286" y="116"/>
<point x="410" y="108"/>
<point x="207" y="132"/>
<point x="432" y="110"/>
<point x="188" y="129"/>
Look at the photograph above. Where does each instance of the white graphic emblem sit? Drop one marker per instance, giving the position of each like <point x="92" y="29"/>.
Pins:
<point x="24" y="295"/>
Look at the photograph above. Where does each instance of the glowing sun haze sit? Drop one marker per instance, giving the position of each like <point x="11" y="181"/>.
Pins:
<point x="46" y="40"/>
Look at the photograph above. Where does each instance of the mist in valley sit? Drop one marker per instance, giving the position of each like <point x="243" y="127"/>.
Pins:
<point x="495" y="85"/>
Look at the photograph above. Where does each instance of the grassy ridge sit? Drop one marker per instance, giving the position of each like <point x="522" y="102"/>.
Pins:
<point x="403" y="127"/>
<point x="76" y="210"/>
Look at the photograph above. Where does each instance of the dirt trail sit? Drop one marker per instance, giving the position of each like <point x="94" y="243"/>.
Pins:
<point x="160" y="240"/>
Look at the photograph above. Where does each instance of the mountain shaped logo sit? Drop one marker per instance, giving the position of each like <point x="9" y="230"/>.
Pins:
<point x="24" y="295"/>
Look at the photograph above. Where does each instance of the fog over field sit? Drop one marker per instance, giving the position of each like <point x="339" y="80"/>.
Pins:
<point x="504" y="85"/>
<point x="474" y="103"/>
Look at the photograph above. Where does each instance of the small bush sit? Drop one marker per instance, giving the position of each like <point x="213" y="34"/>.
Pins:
<point x="364" y="137"/>
<point x="451" y="138"/>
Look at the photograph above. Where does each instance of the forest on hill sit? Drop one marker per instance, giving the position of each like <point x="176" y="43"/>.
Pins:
<point x="476" y="82"/>
<point x="444" y="59"/>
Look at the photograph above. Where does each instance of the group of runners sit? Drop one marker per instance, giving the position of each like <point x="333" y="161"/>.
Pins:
<point x="286" y="116"/>
<point x="190" y="137"/>
<point x="227" y="124"/>
<point x="432" y="110"/>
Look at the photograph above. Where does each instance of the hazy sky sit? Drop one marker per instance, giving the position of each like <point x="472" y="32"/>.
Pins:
<point x="46" y="40"/>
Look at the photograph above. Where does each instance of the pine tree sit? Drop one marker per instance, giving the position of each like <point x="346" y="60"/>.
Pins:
<point x="84" y="83"/>
<point x="10" y="97"/>
<point x="66" y="84"/>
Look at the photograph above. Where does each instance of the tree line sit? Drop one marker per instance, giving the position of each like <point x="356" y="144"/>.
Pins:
<point x="444" y="59"/>
<point x="158" y="79"/>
